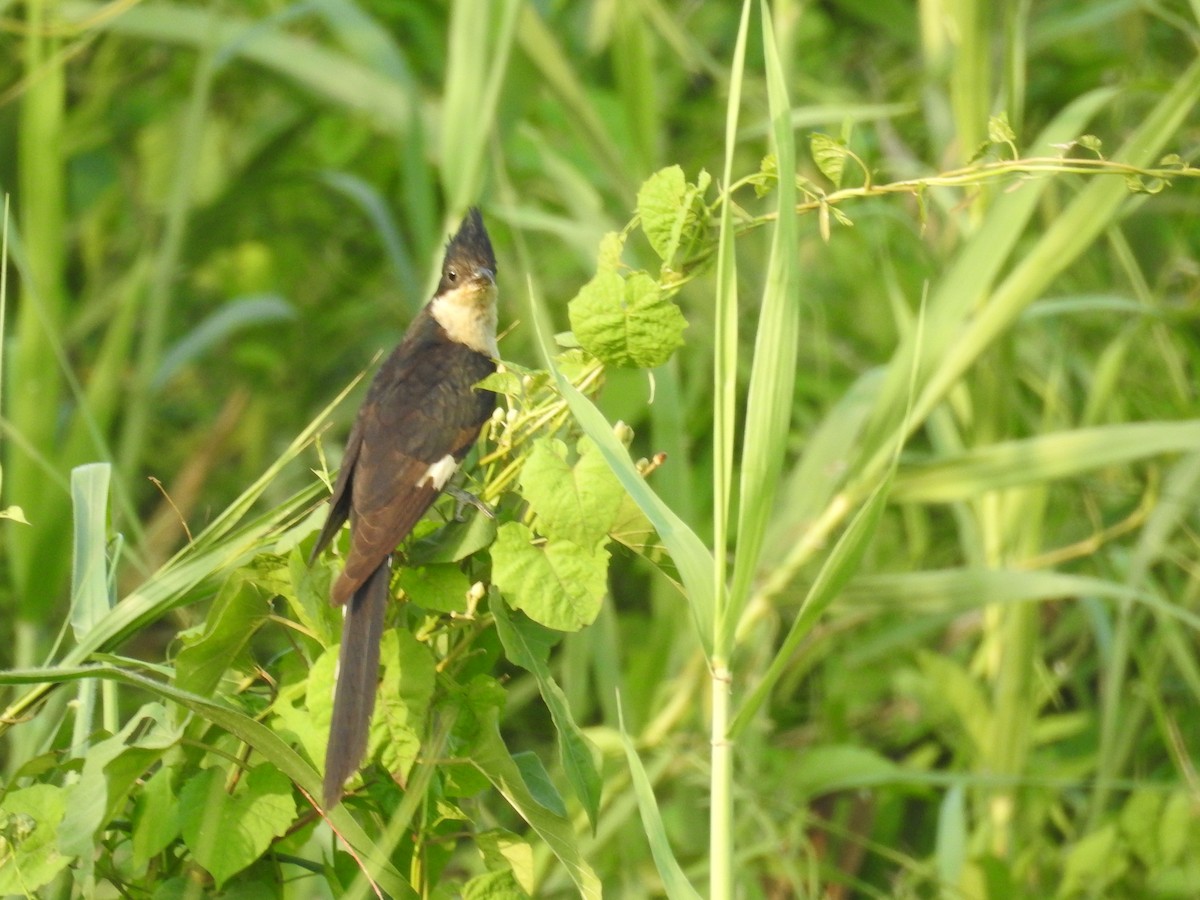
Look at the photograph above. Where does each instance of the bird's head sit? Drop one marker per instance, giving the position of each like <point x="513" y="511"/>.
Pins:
<point x="465" y="301"/>
<point x="470" y="264"/>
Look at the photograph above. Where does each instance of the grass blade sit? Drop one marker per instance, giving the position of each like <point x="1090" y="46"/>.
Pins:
<point x="675" y="883"/>
<point x="839" y="567"/>
<point x="725" y="351"/>
<point x="1043" y="458"/>
<point x="773" y="375"/>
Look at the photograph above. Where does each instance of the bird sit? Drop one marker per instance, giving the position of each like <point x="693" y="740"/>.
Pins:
<point x="423" y="412"/>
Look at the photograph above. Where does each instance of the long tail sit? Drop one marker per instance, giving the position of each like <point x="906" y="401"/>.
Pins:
<point x="357" y="681"/>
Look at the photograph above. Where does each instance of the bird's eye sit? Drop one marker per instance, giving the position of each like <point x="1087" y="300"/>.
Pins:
<point x="452" y="275"/>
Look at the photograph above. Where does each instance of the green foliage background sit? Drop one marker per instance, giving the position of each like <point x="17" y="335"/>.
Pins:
<point x="931" y="445"/>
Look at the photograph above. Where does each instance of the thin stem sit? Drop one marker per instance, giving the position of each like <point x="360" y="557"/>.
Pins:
<point x="720" y="849"/>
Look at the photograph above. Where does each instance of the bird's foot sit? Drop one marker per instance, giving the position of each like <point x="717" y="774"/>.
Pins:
<point x="463" y="499"/>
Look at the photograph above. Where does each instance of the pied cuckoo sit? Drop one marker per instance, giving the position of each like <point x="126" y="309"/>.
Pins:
<point x="421" y="415"/>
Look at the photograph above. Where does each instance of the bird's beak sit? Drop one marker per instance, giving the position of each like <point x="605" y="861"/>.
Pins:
<point x="485" y="277"/>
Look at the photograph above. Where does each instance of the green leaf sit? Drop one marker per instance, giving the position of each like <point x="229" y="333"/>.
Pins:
<point x="577" y="501"/>
<point x="307" y="596"/>
<point x="494" y="886"/>
<point x="307" y="722"/>
<point x="527" y="645"/>
<point x="1093" y="863"/>
<point x="436" y="588"/>
<point x="626" y="322"/>
<point x="454" y="541"/>
<point x="110" y="770"/>
<point x="692" y="558"/>
<point x="725" y="339"/>
<point x="537" y="779"/>
<point x="89" y="574"/>
<point x="830" y="156"/>
<point x="838" y="767"/>
<point x="950" y="853"/>
<point x="155" y="818"/>
<point x="29" y="853"/>
<point x="492" y="758"/>
<point x="672" y="212"/>
<point x="15" y="514"/>
<point x="608" y="256"/>
<point x="227" y="833"/>
<point x="1179" y="820"/>
<point x="504" y="851"/>
<point x="478" y="702"/>
<point x="264" y="742"/>
<point x="1001" y="132"/>
<point x="405" y="692"/>
<point x="1139" y="820"/>
<point x="555" y="582"/>
<point x="239" y="611"/>
<point x="765" y="179"/>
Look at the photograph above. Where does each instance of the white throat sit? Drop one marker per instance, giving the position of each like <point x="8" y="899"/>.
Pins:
<point x="468" y="316"/>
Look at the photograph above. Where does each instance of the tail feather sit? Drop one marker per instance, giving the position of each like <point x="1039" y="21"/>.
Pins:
<point x="357" y="680"/>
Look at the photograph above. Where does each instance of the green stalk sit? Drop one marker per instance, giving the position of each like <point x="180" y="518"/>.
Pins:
<point x="34" y="386"/>
<point x="970" y="81"/>
<point x="768" y="420"/>
<point x="720" y="834"/>
<point x="725" y="345"/>
<point x="773" y="373"/>
<point x="721" y="849"/>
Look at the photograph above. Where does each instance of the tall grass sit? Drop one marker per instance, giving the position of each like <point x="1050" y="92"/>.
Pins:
<point x="930" y="471"/>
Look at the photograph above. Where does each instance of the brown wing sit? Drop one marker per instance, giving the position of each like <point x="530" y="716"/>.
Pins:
<point x="421" y="407"/>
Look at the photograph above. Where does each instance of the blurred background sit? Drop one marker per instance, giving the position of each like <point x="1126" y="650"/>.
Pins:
<point x="220" y="212"/>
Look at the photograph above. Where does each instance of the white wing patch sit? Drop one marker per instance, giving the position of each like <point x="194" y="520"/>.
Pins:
<point x="439" y="473"/>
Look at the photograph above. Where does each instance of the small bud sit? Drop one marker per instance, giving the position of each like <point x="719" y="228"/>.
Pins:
<point x="475" y="593"/>
<point x="646" y="466"/>
<point x="624" y="433"/>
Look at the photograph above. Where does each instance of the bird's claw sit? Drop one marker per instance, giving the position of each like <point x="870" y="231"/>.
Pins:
<point x="463" y="499"/>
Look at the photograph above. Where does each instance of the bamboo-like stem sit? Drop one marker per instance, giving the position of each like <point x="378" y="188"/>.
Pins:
<point x="720" y="850"/>
<point x="36" y="570"/>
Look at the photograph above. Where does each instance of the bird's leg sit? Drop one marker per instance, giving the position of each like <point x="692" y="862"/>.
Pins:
<point x="463" y="499"/>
